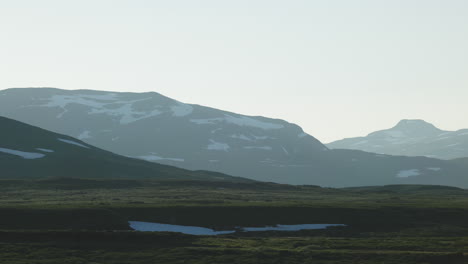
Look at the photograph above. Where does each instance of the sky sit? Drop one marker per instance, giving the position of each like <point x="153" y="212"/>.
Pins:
<point x="337" y="68"/>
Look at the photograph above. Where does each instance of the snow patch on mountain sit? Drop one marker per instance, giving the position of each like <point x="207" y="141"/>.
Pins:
<point x="408" y="173"/>
<point x="208" y="121"/>
<point x="239" y="120"/>
<point x="45" y="150"/>
<point x="241" y="136"/>
<point x="158" y="158"/>
<point x="62" y="101"/>
<point x="247" y="121"/>
<point x="218" y="146"/>
<point x="181" y="110"/>
<point x="72" y="143"/>
<point x="263" y="137"/>
<point x="441" y="138"/>
<point x="259" y="147"/>
<point x="89" y="100"/>
<point x="84" y="135"/>
<point x="216" y="130"/>
<point x="110" y="104"/>
<point x="22" y="154"/>
<point x="126" y="112"/>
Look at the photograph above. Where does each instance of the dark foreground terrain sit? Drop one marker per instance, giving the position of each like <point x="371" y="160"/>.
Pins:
<point x="86" y="221"/>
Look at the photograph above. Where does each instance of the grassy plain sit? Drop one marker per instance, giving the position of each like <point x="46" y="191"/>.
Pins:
<point x="85" y="221"/>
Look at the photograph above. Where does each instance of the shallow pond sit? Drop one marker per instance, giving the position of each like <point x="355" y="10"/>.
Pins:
<point x="195" y="230"/>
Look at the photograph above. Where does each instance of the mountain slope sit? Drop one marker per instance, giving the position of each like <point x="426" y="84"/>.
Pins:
<point x="411" y="138"/>
<point x="461" y="162"/>
<point x="156" y="128"/>
<point x="30" y="152"/>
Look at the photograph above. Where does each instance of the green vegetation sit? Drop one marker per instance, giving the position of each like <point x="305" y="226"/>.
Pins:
<point x="85" y="247"/>
<point x="85" y="221"/>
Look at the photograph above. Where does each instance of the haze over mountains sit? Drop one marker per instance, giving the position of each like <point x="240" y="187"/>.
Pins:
<point x="156" y="128"/>
<point x="411" y="138"/>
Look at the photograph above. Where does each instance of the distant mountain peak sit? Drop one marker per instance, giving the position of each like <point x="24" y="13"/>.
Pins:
<point x="416" y="128"/>
<point x="411" y="137"/>
<point x="415" y="123"/>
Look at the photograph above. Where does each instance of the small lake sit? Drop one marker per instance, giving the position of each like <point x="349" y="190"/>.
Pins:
<point x="195" y="230"/>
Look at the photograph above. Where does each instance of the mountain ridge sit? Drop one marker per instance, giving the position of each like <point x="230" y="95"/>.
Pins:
<point x="194" y="137"/>
<point x="411" y="138"/>
<point x="160" y="129"/>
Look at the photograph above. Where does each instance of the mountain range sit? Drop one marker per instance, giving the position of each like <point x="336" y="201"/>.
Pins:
<point x="155" y="128"/>
<point x="31" y="152"/>
<point x="411" y="138"/>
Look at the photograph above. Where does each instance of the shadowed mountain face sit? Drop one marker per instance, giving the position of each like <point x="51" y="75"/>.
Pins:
<point x="155" y="128"/>
<point x="411" y="138"/>
<point x="30" y="152"/>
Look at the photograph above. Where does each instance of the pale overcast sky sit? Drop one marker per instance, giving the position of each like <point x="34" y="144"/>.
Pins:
<point x="338" y="68"/>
